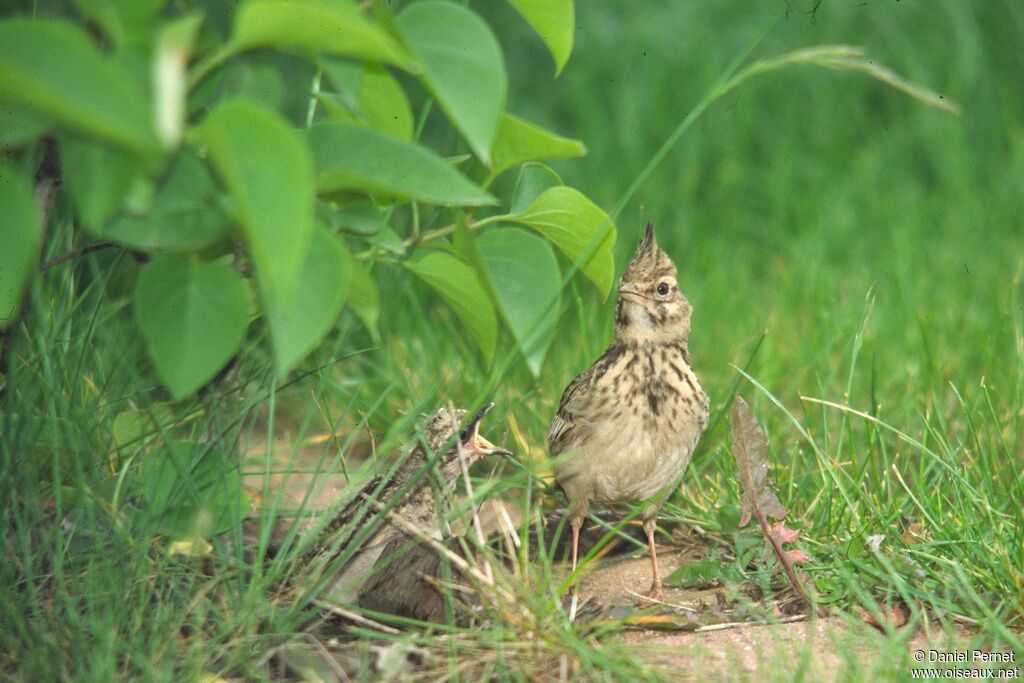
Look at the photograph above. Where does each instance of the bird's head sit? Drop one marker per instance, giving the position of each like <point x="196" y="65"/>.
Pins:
<point x="444" y="424"/>
<point x="650" y="307"/>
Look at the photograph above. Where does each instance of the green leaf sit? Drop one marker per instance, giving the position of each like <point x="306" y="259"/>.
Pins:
<point x="18" y="127"/>
<point x="184" y="214"/>
<point x="856" y="548"/>
<point x="459" y="286"/>
<point x="361" y="218"/>
<point x="364" y="298"/>
<point x="99" y="177"/>
<point x="118" y="18"/>
<point x="519" y="141"/>
<point x="555" y="23"/>
<point x="579" y="228"/>
<point x="193" y="316"/>
<point x="192" y="491"/>
<point x="388" y="240"/>
<point x="268" y="171"/>
<point x="372" y="96"/>
<point x="51" y="70"/>
<point x="533" y="180"/>
<point x="464" y="246"/>
<point x="318" y="26"/>
<point x="462" y="66"/>
<point x="21" y="231"/>
<point x="260" y="83"/>
<point x="729" y="518"/>
<point x="523" y="274"/>
<point x="353" y="157"/>
<point x="296" y="328"/>
<point x="133" y="427"/>
<point x="702" y="574"/>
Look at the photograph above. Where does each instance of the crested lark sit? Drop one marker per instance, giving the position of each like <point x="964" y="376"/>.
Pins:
<point x="627" y="425"/>
<point x="420" y="506"/>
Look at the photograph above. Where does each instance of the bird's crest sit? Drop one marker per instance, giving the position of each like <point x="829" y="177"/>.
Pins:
<point x="649" y="262"/>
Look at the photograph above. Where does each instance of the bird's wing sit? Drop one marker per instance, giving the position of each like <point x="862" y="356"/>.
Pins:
<point x="567" y="425"/>
<point x="571" y="422"/>
<point x="563" y="426"/>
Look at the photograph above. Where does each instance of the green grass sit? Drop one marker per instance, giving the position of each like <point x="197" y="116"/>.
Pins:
<point x="874" y="243"/>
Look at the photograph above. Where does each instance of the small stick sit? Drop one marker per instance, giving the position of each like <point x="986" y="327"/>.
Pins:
<point x="738" y="624"/>
<point x="356" y="617"/>
<point x="783" y="558"/>
<point x="75" y="253"/>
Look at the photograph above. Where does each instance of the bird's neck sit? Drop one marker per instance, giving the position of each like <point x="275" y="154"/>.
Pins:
<point x="646" y="335"/>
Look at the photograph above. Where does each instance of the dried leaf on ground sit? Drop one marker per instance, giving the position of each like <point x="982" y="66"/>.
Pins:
<point x="783" y="535"/>
<point x="750" y="448"/>
<point x="892" y="617"/>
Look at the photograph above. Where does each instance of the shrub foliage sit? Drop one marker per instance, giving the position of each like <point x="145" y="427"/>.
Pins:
<point x="266" y="165"/>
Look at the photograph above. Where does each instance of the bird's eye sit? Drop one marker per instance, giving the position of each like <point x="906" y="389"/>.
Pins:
<point x="662" y="289"/>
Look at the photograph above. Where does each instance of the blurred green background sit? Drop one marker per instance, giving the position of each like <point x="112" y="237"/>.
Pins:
<point x="803" y="190"/>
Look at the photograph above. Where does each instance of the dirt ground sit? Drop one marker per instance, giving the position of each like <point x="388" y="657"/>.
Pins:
<point x="824" y="649"/>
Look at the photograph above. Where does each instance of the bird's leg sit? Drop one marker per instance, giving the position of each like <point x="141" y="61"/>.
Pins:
<point x="575" y="522"/>
<point x="655" y="591"/>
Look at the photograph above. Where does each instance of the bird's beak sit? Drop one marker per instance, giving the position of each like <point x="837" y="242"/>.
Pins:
<point x="630" y="288"/>
<point x="473" y="443"/>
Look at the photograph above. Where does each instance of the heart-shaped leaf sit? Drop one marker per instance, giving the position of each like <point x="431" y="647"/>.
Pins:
<point x="462" y="66"/>
<point x="323" y="285"/>
<point x="532" y="181"/>
<point x="458" y="285"/>
<point x="519" y="141"/>
<point x="353" y="157"/>
<point x="318" y="26"/>
<point x="523" y="274"/>
<point x="20" y="242"/>
<point x="99" y="177"/>
<point x="371" y="96"/>
<point x="555" y="23"/>
<point x="183" y="216"/>
<point x="579" y="228"/>
<point x="52" y="70"/>
<point x="267" y="169"/>
<point x="193" y="316"/>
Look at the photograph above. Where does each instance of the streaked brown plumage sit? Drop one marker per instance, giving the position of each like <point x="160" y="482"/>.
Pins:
<point x="419" y="506"/>
<point x="627" y="425"/>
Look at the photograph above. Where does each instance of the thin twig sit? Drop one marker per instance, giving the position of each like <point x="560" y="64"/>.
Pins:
<point x="48" y="180"/>
<point x="355" y="616"/>
<point x="784" y="560"/>
<point x="656" y="601"/>
<point x="740" y="624"/>
<point x="75" y="253"/>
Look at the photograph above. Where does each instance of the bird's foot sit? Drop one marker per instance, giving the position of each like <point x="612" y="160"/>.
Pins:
<point x="654" y="594"/>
